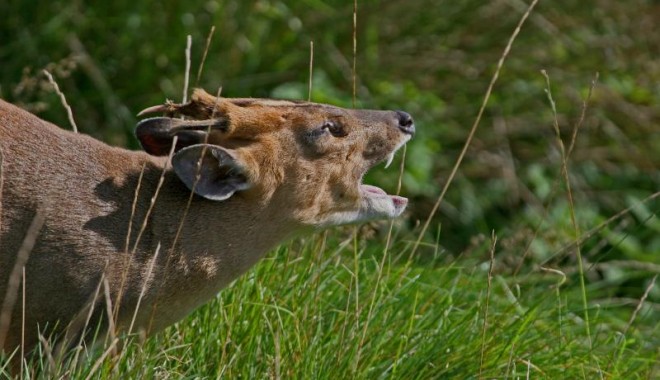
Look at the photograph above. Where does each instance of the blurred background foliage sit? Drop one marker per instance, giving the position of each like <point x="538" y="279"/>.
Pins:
<point x="431" y="58"/>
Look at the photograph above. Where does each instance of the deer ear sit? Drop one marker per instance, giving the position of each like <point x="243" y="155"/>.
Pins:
<point x="157" y="133"/>
<point x="211" y="171"/>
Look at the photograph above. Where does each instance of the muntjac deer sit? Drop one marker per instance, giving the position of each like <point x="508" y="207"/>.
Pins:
<point x="161" y="232"/>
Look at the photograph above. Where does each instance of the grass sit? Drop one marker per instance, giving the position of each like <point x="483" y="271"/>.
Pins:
<point x="303" y="313"/>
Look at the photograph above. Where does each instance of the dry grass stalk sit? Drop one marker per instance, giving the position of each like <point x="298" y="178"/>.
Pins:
<point x="23" y="328"/>
<point x="133" y="206"/>
<point x="143" y="226"/>
<point x="640" y="304"/>
<point x="1" y="185"/>
<point x="388" y="241"/>
<point x="75" y="327"/>
<point x="561" y="282"/>
<point x="144" y="288"/>
<point x="206" y="51"/>
<point x="186" y="78"/>
<point x="152" y="202"/>
<point x="48" y="351"/>
<point x="97" y="364"/>
<point x="355" y="9"/>
<point x="311" y="67"/>
<point x="622" y="339"/>
<point x="555" y="184"/>
<point x="129" y="257"/>
<point x="197" y="178"/>
<point x="571" y="206"/>
<point x="112" y="330"/>
<point x="583" y="113"/>
<point x="587" y="235"/>
<point x="69" y="112"/>
<point x="170" y="252"/>
<point x="381" y="266"/>
<point x="468" y="141"/>
<point x="15" y="275"/>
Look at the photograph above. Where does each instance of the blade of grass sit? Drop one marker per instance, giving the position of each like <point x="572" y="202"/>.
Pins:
<point x="488" y="288"/>
<point x="405" y="339"/>
<point x="571" y="206"/>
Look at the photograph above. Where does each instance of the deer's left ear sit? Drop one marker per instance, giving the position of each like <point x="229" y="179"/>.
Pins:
<point x="157" y="133"/>
<point x="211" y="171"/>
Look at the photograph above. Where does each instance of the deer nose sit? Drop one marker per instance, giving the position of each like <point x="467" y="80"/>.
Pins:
<point x="406" y="124"/>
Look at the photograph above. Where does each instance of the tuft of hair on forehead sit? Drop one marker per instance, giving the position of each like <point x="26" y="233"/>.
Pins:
<point x="266" y="102"/>
<point x="206" y="100"/>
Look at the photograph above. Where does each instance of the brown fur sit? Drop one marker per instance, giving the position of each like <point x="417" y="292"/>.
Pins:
<point x="300" y="176"/>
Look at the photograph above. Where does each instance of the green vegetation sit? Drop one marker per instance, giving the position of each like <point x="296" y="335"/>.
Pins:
<point x="349" y="306"/>
<point x="355" y="312"/>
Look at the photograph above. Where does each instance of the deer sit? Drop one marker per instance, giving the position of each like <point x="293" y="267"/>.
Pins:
<point x="158" y="233"/>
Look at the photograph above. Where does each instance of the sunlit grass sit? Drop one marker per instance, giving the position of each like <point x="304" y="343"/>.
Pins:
<point x="299" y="314"/>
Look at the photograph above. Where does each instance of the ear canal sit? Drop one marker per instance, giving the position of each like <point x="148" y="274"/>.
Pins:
<point x="211" y="171"/>
<point x="156" y="134"/>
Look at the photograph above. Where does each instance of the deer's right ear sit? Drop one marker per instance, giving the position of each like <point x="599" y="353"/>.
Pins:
<point x="211" y="171"/>
<point x="157" y="133"/>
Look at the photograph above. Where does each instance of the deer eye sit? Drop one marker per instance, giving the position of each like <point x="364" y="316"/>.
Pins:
<point x="334" y="128"/>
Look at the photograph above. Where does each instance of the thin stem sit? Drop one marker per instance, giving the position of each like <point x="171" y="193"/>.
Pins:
<point x="500" y="63"/>
<point x="311" y="68"/>
<point x="571" y="204"/>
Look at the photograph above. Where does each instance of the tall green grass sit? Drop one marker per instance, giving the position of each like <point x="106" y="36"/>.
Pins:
<point x="351" y="312"/>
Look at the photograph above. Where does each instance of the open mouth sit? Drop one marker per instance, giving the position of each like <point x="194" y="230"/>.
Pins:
<point x="378" y="204"/>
